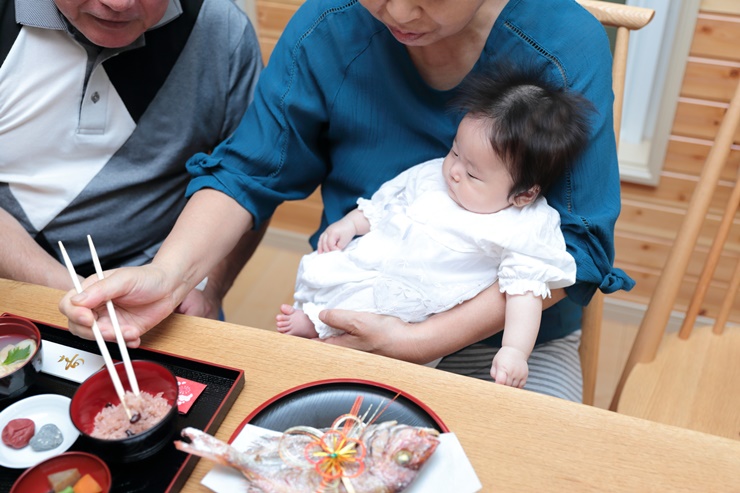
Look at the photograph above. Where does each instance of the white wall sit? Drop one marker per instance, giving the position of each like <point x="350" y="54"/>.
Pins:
<point x="655" y="66"/>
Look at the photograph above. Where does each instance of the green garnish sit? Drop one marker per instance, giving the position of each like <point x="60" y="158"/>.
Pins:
<point x="17" y="354"/>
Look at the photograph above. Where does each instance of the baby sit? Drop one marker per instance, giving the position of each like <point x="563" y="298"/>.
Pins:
<point x="444" y="230"/>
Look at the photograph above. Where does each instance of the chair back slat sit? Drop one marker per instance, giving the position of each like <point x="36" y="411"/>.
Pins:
<point x="617" y="15"/>
<point x="652" y="329"/>
<point x="619" y="75"/>
<point x="625" y="18"/>
<point x="710" y="265"/>
<point x="729" y="301"/>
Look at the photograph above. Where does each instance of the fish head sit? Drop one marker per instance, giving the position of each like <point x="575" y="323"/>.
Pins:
<point x="400" y="447"/>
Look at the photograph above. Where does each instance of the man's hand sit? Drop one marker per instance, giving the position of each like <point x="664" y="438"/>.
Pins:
<point x="141" y="295"/>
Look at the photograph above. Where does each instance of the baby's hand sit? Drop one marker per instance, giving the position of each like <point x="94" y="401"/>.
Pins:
<point x="336" y="236"/>
<point x="510" y="367"/>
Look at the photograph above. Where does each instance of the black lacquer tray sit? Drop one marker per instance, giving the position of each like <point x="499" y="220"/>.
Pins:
<point x="166" y="471"/>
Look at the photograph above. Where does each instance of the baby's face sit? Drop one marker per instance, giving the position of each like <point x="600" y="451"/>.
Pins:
<point x="477" y="179"/>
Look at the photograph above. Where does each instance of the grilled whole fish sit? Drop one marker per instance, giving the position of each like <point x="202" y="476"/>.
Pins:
<point x="394" y="454"/>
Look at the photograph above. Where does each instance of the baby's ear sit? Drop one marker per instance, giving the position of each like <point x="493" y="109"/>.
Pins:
<point x="525" y="198"/>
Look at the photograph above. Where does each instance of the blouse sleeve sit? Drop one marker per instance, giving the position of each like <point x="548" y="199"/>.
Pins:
<point x="520" y="273"/>
<point x="534" y="257"/>
<point x="588" y="197"/>
<point x="276" y="153"/>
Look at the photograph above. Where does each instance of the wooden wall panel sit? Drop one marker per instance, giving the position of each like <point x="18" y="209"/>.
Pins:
<point x="647" y="279"/>
<point x="272" y="16"/>
<point x="716" y="36"/>
<point x="699" y="118"/>
<point x="721" y="6"/>
<point x="687" y="156"/>
<point x="651" y="253"/>
<point x="713" y="80"/>
<point x="266" y="47"/>
<point x="660" y="223"/>
<point x="300" y="216"/>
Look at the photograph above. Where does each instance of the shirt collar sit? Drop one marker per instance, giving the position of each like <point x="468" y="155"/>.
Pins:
<point x="44" y="14"/>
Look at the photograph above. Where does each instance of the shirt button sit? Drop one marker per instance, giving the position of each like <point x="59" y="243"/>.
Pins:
<point x="95" y="97"/>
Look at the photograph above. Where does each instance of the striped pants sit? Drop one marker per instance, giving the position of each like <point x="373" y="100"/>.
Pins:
<point x="554" y="366"/>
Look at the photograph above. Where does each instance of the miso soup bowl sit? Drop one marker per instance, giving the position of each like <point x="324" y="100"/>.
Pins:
<point x="11" y="330"/>
<point x="98" y="391"/>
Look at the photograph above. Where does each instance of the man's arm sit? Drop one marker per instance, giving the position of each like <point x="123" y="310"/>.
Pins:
<point x="22" y="259"/>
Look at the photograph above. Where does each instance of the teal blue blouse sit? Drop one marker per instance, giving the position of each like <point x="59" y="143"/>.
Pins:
<point x="341" y="105"/>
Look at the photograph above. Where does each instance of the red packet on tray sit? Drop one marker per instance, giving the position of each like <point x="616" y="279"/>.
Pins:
<point x="188" y="393"/>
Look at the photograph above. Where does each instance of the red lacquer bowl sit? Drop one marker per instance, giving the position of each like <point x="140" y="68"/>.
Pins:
<point x="98" y="390"/>
<point x="35" y="479"/>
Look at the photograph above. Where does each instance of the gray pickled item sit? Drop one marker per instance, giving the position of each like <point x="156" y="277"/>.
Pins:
<point x="47" y="438"/>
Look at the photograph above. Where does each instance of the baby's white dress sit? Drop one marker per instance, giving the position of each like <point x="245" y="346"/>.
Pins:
<point x="425" y="254"/>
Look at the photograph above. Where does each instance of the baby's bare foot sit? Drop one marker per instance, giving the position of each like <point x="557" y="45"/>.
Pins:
<point x="294" y="322"/>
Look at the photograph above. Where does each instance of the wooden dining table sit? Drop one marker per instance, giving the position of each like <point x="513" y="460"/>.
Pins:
<point x="516" y="440"/>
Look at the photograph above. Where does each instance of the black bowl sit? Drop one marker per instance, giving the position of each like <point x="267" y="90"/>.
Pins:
<point x="12" y="331"/>
<point x="98" y="391"/>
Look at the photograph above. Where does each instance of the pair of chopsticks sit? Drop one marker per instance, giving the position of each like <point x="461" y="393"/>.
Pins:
<point x="99" y="337"/>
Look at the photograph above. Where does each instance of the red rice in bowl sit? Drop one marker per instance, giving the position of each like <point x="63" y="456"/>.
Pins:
<point x="112" y="423"/>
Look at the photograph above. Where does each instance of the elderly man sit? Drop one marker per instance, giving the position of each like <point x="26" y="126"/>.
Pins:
<point x="101" y="104"/>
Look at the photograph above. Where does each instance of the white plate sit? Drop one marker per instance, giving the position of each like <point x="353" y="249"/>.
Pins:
<point x="41" y="409"/>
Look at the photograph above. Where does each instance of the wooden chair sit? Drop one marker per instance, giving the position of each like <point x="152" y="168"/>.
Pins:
<point x="691" y="378"/>
<point x="625" y="19"/>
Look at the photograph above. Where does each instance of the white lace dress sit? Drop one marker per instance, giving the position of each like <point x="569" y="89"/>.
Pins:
<point x="424" y="254"/>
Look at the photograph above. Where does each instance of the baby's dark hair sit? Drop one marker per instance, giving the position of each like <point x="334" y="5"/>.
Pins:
<point x="537" y="129"/>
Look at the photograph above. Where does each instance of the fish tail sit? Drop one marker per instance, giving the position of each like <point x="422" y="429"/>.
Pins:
<point x="211" y="448"/>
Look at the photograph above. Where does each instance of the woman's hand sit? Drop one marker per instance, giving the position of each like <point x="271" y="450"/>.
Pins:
<point x="199" y="303"/>
<point x="142" y="296"/>
<point x="378" y="334"/>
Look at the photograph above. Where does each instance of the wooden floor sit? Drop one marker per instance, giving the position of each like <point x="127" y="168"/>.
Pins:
<point x="269" y="278"/>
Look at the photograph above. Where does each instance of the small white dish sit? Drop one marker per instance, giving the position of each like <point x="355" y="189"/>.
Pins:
<point x="41" y="409"/>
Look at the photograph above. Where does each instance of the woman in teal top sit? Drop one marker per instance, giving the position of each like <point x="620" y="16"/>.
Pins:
<point x="356" y="92"/>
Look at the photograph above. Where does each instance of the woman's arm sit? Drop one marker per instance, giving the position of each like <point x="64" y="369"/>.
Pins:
<point x="208" y="303"/>
<point x="438" y="336"/>
<point x="207" y="230"/>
